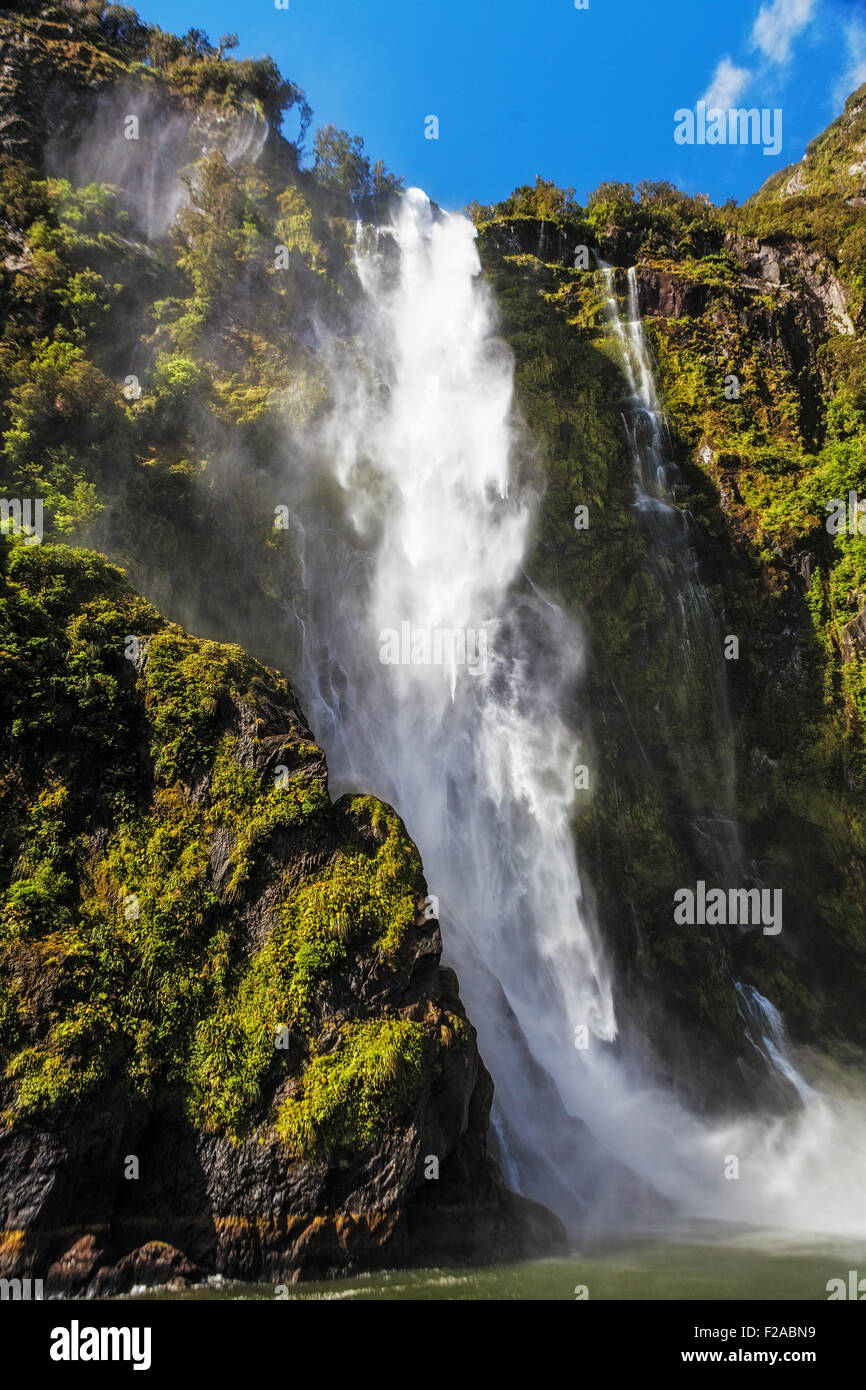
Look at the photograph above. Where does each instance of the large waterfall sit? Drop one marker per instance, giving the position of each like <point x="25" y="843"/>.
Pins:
<point x="438" y="677"/>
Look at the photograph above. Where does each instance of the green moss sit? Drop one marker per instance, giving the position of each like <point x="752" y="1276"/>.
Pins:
<point x="132" y="936"/>
<point x="13" y="1013"/>
<point x="107" y="874"/>
<point x="241" y="802"/>
<point x="47" y="1080"/>
<point x="232" y="1052"/>
<point x="365" y="899"/>
<point x="188" y="679"/>
<point x="361" y="896"/>
<point x="353" y="1095"/>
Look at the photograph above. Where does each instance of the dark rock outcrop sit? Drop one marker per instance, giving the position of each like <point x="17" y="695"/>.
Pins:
<point x="671" y="295"/>
<point x="533" y="236"/>
<point x="785" y="261"/>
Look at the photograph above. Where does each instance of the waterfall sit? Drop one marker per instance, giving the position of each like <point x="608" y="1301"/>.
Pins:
<point x="438" y="677"/>
<point x="480" y="762"/>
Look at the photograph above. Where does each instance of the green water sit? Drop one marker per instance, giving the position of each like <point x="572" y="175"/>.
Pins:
<point x="748" y="1265"/>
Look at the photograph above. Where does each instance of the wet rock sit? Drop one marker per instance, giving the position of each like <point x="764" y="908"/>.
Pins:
<point x="671" y="295"/>
<point x="789" y="262"/>
<point x="72" y="1274"/>
<point x="534" y="236"/>
<point x="149" y="1265"/>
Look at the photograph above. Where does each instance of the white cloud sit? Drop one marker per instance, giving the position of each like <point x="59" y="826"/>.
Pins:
<point x="727" y="83"/>
<point x="855" y="74"/>
<point x="778" y="24"/>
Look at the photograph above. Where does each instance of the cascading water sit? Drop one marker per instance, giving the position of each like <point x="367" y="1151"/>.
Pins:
<point x="694" y="639"/>
<point x="479" y="762"/>
<point x="414" y="516"/>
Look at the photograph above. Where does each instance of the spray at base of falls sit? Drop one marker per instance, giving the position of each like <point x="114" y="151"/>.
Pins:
<point x="419" y="516"/>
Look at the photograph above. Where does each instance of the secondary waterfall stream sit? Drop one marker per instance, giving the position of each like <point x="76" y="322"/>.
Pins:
<point x="702" y="772"/>
<point x="413" y="523"/>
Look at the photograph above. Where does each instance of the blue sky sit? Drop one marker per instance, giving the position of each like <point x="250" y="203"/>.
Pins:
<point x="526" y="87"/>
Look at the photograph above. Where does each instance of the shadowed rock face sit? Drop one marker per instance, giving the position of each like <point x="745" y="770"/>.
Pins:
<point x="534" y="236"/>
<point x="129" y="1168"/>
<point x="787" y="262"/>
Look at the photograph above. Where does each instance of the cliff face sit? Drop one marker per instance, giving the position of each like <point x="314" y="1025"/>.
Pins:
<point x="228" y="1044"/>
<point x="755" y="315"/>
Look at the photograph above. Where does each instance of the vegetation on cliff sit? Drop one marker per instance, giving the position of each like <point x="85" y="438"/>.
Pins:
<point x="139" y="800"/>
<point x="134" y="366"/>
<point x="213" y="980"/>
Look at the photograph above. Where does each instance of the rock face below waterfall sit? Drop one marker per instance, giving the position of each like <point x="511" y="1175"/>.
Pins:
<point x="228" y="1045"/>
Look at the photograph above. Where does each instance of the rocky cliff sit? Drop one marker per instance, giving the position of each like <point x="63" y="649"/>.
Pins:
<point x="228" y="1043"/>
<point x="755" y="315"/>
